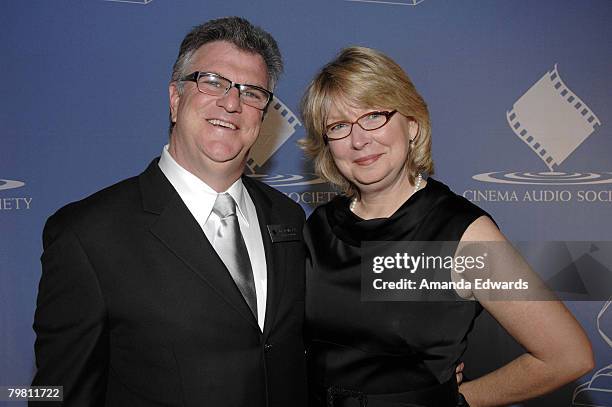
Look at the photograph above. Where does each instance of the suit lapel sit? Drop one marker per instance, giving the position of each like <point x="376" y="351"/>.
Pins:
<point x="177" y="229"/>
<point x="275" y="259"/>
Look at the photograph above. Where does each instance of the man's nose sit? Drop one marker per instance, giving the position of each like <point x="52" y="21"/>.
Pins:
<point x="231" y="100"/>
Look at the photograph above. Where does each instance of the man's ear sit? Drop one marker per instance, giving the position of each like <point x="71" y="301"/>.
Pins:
<point x="175" y="98"/>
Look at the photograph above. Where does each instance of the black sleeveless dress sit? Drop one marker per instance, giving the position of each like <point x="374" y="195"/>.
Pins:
<point x="382" y="353"/>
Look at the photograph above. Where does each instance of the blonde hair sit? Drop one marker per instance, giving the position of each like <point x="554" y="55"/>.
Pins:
<point x="363" y="77"/>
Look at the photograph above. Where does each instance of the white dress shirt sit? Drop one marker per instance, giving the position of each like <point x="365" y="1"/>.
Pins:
<point x="200" y="199"/>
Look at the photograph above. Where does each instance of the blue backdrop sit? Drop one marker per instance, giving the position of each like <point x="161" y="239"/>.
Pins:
<point x="520" y="95"/>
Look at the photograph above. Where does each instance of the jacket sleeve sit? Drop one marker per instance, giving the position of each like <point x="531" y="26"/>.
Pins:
<point x="70" y="321"/>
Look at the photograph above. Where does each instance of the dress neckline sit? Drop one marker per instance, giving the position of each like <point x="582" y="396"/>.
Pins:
<point x="353" y="229"/>
<point x="408" y="201"/>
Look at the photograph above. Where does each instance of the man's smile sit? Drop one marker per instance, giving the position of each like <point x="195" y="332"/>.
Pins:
<point x="221" y="123"/>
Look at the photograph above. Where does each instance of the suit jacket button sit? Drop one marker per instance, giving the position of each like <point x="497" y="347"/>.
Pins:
<point x="267" y="347"/>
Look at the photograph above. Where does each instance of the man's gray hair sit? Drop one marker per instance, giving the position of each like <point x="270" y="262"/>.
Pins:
<point x="237" y="31"/>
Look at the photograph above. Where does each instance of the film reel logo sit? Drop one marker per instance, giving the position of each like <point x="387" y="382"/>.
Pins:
<point x="278" y="126"/>
<point x="396" y="3"/>
<point x="553" y="121"/>
<point x="10" y="184"/>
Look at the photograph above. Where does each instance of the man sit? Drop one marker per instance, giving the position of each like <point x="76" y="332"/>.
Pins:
<point x="183" y="286"/>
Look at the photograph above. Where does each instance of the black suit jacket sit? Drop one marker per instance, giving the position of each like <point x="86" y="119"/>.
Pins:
<point x="135" y="308"/>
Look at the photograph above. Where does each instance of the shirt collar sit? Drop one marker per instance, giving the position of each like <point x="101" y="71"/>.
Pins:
<point x="198" y="195"/>
<point x="237" y="191"/>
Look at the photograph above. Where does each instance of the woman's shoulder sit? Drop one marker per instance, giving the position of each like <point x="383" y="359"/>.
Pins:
<point x="453" y="203"/>
<point x="454" y="210"/>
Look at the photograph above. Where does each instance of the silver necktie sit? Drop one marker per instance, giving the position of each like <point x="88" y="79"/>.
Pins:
<point x="230" y="246"/>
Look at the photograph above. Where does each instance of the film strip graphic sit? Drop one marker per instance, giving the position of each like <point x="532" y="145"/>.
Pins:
<point x="278" y="126"/>
<point x="551" y="119"/>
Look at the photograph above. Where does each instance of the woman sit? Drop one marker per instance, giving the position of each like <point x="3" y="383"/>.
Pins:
<point x="368" y="132"/>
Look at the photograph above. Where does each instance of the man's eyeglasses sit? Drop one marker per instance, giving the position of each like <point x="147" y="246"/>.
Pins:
<point x="369" y="121"/>
<point x="216" y="85"/>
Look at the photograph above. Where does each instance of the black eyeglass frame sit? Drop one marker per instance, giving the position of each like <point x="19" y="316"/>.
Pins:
<point x="195" y="77"/>
<point x="388" y="115"/>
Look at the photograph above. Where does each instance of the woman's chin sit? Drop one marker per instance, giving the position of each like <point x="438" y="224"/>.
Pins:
<point x="370" y="184"/>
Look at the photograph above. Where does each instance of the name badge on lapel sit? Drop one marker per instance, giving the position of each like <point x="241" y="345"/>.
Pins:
<point x="283" y="233"/>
